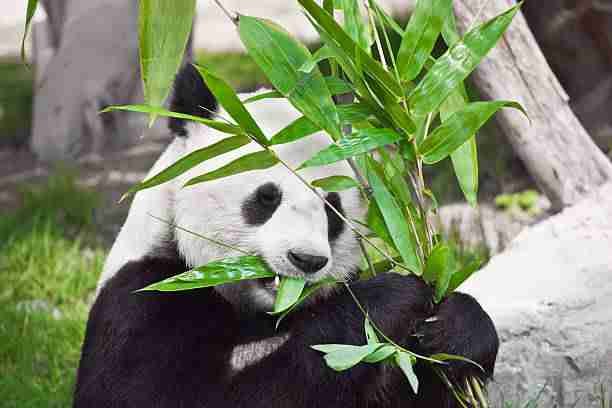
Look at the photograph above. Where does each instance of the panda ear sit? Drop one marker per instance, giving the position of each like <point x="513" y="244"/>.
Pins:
<point x="191" y="96"/>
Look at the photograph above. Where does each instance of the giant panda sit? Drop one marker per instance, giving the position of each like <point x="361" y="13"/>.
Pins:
<point x="217" y="347"/>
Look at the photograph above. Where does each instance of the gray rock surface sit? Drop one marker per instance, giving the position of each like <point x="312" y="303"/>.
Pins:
<point x="550" y="295"/>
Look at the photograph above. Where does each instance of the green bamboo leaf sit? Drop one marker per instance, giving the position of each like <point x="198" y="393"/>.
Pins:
<point x="334" y="184"/>
<point x="190" y="161"/>
<point x="338" y="86"/>
<point x="296" y="130"/>
<point x="420" y="36"/>
<point x="459" y="128"/>
<point x="370" y="333"/>
<point x="362" y="141"/>
<point x="386" y="18"/>
<point x="289" y="291"/>
<point x="451" y="357"/>
<point x="253" y="161"/>
<point x="215" y="273"/>
<point x="31" y="9"/>
<point x="381" y="354"/>
<point x="437" y="263"/>
<point x="229" y="100"/>
<point x="280" y="57"/>
<point x="163" y="28"/>
<point x="263" y="95"/>
<point x="376" y="223"/>
<point x="321" y="54"/>
<point x="309" y="291"/>
<point x="457" y="63"/>
<point x="355" y="25"/>
<point x="335" y="31"/>
<point x="405" y="362"/>
<point x="465" y="158"/>
<point x="463" y="274"/>
<point x="335" y="85"/>
<point x="450" y="33"/>
<point x="396" y="223"/>
<point x="223" y="127"/>
<point x="343" y="359"/>
<point x="354" y="112"/>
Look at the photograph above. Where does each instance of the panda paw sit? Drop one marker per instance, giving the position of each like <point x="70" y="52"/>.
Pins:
<point x="461" y="327"/>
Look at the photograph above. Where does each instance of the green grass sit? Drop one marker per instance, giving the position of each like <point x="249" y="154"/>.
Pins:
<point x="15" y="101"/>
<point x="48" y="276"/>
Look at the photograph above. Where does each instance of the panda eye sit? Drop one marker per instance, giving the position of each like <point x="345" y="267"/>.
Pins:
<point x="269" y="195"/>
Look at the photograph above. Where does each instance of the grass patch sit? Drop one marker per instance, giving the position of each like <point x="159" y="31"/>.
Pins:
<point x="49" y="273"/>
<point x="16" y="90"/>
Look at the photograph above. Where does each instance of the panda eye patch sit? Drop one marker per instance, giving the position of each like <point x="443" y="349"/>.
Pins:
<point x="335" y="225"/>
<point x="269" y="195"/>
<point x="261" y="204"/>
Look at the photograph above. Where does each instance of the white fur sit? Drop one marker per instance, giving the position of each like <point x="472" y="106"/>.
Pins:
<point x="213" y="209"/>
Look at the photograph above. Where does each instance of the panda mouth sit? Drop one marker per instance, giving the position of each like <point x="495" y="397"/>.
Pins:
<point x="270" y="284"/>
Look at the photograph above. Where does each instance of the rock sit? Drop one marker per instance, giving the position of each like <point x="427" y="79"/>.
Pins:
<point x="550" y="295"/>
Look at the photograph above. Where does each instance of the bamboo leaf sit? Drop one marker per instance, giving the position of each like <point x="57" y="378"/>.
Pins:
<point x="370" y="333"/>
<point x="362" y="141"/>
<point x="465" y="158"/>
<point x="296" y="130"/>
<point x="420" y="36"/>
<point x="344" y="359"/>
<point x="163" y="28"/>
<point x="405" y="362"/>
<point x="253" y="161"/>
<point x="334" y="184"/>
<point x="309" y="291"/>
<point x="31" y="9"/>
<point x="460" y="127"/>
<point x="376" y="223"/>
<point x="289" y="291"/>
<point x="370" y="65"/>
<point x="280" y="57"/>
<point x="457" y="63"/>
<point x="229" y="100"/>
<point x="219" y="272"/>
<point x="381" y="354"/>
<point x="334" y="84"/>
<point x="321" y="54"/>
<point x="191" y="160"/>
<point x="463" y="274"/>
<point x="354" y="112"/>
<point x="451" y="357"/>
<point x="437" y="262"/>
<point x="338" y="86"/>
<point x="355" y="26"/>
<point x="395" y="220"/>
<point x="223" y="127"/>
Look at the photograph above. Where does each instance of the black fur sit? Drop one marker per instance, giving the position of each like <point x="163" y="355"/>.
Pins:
<point x="152" y="349"/>
<point x="191" y="96"/>
<point x="335" y="225"/>
<point x="261" y="204"/>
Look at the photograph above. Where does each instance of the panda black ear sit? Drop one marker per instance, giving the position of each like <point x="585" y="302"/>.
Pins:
<point x="191" y="96"/>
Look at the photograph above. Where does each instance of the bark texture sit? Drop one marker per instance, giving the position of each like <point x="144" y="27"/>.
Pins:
<point x="86" y="57"/>
<point x="556" y="149"/>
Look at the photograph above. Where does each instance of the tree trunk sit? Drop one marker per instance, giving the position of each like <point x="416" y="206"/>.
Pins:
<point x="90" y="62"/>
<point x="555" y="147"/>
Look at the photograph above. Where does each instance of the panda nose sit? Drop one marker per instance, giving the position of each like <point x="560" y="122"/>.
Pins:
<point x="306" y="262"/>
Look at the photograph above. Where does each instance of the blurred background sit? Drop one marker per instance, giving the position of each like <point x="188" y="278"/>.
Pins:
<point x="63" y="167"/>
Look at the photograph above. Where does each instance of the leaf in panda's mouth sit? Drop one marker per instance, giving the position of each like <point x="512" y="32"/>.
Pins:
<point x="289" y="291"/>
<point x="215" y="273"/>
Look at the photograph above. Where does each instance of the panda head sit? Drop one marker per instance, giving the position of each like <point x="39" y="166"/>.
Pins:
<point x="270" y="212"/>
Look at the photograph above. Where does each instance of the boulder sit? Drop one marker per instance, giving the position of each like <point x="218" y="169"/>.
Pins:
<point x="550" y="295"/>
